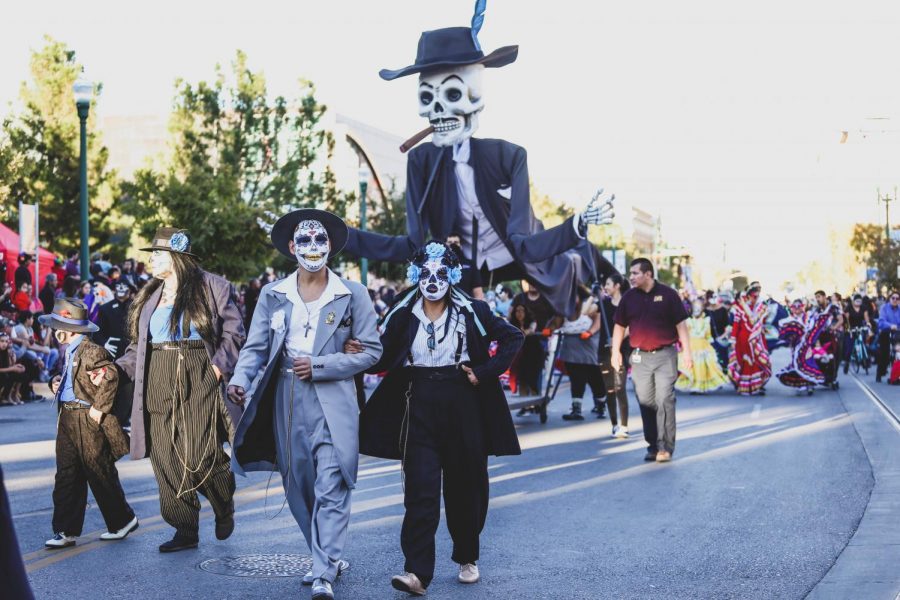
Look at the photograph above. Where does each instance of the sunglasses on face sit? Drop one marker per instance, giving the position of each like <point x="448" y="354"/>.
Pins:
<point x="895" y="297"/>
<point x="443" y="274"/>
<point x="303" y="240"/>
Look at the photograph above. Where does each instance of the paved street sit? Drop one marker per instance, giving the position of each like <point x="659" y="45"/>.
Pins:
<point x="762" y="497"/>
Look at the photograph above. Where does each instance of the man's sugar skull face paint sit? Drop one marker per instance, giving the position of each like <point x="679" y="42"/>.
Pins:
<point x="434" y="279"/>
<point x="311" y="245"/>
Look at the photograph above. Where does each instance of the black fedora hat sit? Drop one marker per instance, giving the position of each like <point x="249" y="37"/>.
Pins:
<point x="451" y="47"/>
<point x="283" y="230"/>
<point x="171" y="239"/>
<point x="69" y="314"/>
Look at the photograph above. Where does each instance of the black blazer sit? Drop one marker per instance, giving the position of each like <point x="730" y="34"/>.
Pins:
<point x="380" y="420"/>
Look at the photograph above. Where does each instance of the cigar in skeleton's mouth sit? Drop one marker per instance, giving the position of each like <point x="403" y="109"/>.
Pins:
<point x="405" y="146"/>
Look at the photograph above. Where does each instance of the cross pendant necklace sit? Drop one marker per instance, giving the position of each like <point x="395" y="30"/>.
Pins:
<point x="307" y="327"/>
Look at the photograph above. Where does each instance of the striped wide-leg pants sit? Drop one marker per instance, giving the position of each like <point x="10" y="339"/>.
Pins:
<point x="183" y="400"/>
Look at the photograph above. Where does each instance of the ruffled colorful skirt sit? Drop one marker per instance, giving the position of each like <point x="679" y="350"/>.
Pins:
<point x="706" y="375"/>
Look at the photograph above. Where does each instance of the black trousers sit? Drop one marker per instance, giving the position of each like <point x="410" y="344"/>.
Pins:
<point x="83" y="459"/>
<point x="616" y="394"/>
<point x="883" y="357"/>
<point x="445" y="438"/>
<point x="582" y="376"/>
<point x="183" y="399"/>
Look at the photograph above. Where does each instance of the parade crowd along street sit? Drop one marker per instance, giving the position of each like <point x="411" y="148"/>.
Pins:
<point x="304" y="372"/>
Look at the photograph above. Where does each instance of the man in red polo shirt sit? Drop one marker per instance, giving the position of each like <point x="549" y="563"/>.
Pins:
<point x="656" y="320"/>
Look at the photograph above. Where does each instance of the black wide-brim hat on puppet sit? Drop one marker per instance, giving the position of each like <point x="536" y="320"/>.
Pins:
<point x="451" y="47"/>
<point x="171" y="239"/>
<point x="69" y="314"/>
<point x="283" y="230"/>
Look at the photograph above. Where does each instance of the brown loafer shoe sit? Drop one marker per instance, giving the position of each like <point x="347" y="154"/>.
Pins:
<point x="409" y="583"/>
<point x="663" y="456"/>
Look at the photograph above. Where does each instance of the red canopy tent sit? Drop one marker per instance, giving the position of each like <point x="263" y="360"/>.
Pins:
<point x="9" y="247"/>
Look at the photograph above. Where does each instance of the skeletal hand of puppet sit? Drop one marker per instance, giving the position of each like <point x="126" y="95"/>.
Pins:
<point x="597" y="212"/>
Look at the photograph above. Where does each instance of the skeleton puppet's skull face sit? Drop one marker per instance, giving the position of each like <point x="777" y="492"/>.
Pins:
<point x="451" y="101"/>
<point x="434" y="279"/>
<point x="311" y="245"/>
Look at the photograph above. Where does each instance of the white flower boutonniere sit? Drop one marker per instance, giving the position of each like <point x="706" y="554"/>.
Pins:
<point x="278" y="321"/>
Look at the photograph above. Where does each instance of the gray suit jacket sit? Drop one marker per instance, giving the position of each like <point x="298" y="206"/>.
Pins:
<point x="345" y="317"/>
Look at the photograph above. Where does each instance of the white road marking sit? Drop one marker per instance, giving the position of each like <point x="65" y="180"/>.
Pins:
<point x="757" y="408"/>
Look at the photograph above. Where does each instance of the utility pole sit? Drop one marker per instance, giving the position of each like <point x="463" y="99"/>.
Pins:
<point x="887" y="211"/>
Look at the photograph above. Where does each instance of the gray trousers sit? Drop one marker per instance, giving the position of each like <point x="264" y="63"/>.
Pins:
<point x="316" y="491"/>
<point x="654" y="375"/>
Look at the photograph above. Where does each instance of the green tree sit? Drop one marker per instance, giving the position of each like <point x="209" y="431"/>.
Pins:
<point x="39" y="155"/>
<point x="873" y="248"/>
<point x="238" y="161"/>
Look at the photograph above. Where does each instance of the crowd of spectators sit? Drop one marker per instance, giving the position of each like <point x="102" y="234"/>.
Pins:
<point x="29" y="353"/>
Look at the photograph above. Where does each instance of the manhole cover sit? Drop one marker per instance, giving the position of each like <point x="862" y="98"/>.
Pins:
<point x="260" y="565"/>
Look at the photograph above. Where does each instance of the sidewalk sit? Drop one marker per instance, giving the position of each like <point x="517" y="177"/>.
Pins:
<point x="869" y="567"/>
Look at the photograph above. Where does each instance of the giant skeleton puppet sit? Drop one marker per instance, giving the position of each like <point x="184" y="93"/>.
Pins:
<point x="480" y="187"/>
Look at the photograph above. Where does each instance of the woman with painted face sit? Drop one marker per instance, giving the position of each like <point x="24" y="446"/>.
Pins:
<point x="749" y="366"/>
<point x="186" y="332"/>
<point x="302" y="413"/>
<point x="440" y="409"/>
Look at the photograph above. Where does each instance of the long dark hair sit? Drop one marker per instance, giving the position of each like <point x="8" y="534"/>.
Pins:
<point x="190" y="300"/>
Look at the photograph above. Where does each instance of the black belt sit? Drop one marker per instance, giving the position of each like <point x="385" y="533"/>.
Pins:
<point x="450" y="372"/>
<point x="655" y="349"/>
<point x="74" y="406"/>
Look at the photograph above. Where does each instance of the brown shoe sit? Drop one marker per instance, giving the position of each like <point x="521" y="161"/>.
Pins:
<point x="409" y="583"/>
<point x="663" y="456"/>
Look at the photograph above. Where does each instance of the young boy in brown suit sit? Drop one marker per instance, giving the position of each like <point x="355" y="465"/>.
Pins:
<point x="89" y="439"/>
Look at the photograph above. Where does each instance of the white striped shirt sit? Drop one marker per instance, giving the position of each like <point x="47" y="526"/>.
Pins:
<point x="445" y="346"/>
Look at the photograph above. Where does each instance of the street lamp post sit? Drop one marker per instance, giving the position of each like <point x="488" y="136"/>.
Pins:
<point x="363" y="186"/>
<point x="84" y="92"/>
<point x="886" y="199"/>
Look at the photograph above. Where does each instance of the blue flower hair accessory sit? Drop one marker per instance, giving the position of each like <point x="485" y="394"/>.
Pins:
<point x="179" y="242"/>
<point x="455" y="275"/>
<point x="413" y="273"/>
<point x="435" y="250"/>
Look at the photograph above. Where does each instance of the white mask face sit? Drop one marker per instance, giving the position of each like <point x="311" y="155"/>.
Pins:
<point x="161" y="263"/>
<point x="434" y="280"/>
<point x="311" y="245"/>
<point x="451" y="101"/>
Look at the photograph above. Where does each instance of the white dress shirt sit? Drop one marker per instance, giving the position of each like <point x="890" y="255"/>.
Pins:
<point x="491" y="249"/>
<point x="445" y="347"/>
<point x="299" y="339"/>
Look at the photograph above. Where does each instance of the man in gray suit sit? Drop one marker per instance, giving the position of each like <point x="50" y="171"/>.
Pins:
<point x="302" y="413"/>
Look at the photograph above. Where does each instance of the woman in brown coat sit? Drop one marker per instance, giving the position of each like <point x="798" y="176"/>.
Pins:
<point x="186" y="333"/>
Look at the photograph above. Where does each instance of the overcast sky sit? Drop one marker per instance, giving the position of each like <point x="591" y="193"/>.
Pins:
<point x="723" y="117"/>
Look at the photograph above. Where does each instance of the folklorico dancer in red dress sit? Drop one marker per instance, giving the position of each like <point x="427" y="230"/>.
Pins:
<point x="748" y="358"/>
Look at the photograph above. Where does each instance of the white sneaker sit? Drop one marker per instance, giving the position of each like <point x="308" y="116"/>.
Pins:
<point x="60" y="540"/>
<point x="122" y="533"/>
<point x="615" y="431"/>
<point x="468" y="573"/>
<point x="622" y="433"/>
<point x="321" y="590"/>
